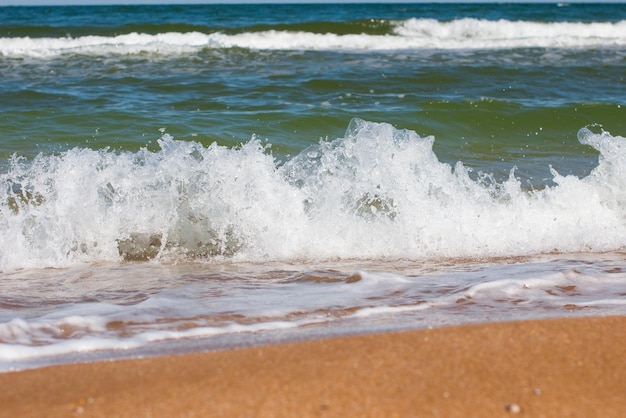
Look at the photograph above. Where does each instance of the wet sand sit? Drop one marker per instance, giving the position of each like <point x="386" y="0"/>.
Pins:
<point x="546" y="368"/>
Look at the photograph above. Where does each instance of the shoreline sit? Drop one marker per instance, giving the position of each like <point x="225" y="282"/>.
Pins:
<point x="541" y="368"/>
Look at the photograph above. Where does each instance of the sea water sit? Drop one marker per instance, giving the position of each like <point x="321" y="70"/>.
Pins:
<point x="184" y="178"/>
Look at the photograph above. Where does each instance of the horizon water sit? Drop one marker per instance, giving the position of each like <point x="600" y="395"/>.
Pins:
<point x="188" y="178"/>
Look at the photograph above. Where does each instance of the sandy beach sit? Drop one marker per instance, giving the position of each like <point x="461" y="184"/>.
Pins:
<point x="546" y="368"/>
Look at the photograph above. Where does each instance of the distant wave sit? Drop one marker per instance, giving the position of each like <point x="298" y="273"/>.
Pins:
<point x="467" y="33"/>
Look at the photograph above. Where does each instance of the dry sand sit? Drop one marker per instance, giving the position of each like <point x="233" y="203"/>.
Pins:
<point x="547" y="368"/>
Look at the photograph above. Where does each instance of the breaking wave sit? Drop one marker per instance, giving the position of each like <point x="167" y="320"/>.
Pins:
<point x="378" y="192"/>
<point x="466" y="33"/>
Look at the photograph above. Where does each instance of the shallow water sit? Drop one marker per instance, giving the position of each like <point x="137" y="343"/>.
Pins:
<point x="117" y="311"/>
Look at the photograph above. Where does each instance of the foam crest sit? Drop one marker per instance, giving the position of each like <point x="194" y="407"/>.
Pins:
<point x="481" y="33"/>
<point x="468" y="33"/>
<point x="378" y="192"/>
<point x="87" y="205"/>
<point x="126" y="44"/>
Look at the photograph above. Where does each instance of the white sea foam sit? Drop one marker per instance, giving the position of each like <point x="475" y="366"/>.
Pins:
<point x="479" y="33"/>
<point x="17" y="351"/>
<point x="466" y="33"/>
<point x="193" y="303"/>
<point x="376" y="193"/>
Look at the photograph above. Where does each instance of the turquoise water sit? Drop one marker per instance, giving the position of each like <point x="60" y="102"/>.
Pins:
<point x="276" y="168"/>
<point x="299" y="83"/>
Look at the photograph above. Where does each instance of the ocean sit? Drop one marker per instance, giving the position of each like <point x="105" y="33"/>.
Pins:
<point x="196" y="177"/>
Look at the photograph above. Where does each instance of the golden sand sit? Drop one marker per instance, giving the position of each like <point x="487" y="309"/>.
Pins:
<point x="546" y="368"/>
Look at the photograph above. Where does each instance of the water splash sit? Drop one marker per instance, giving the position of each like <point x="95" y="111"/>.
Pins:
<point x="378" y="192"/>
